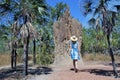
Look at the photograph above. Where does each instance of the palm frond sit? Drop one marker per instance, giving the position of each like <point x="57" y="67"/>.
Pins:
<point x="97" y="10"/>
<point x="113" y="18"/>
<point x="92" y="21"/>
<point x="41" y="10"/>
<point x="32" y="31"/>
<point x="118" y="7"/>
<point x="24" y="31"/>
<point x="14" y="28"/>
<point x="87" y="7"/>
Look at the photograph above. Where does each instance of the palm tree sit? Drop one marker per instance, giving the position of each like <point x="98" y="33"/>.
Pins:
<point x="57" y="11"/>
<point x="106" y="18"/>
<point x="6" y="36"/>
<point x="26" y="31"/>
<point x="25" y="12"/>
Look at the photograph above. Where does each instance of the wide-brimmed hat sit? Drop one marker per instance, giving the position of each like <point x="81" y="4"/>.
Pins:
<point x="74" y="38"/>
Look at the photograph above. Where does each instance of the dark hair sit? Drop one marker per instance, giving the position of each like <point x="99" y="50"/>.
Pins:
<point x="74" y="42"/>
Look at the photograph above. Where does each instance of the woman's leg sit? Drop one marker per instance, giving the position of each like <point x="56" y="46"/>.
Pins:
<point x="75" y="65"/>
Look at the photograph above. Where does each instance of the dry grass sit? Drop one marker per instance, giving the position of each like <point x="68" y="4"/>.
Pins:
<point x="5" y="59"/>
<point x="99" y="57"/>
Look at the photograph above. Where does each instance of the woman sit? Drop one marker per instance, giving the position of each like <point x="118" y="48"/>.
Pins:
<point x="74" y="52"/>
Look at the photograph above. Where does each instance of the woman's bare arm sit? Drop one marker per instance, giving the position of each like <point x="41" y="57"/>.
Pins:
<point x="78" y="48"/>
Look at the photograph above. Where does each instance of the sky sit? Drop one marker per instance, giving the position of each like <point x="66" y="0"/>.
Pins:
<point x="74" y="9"/>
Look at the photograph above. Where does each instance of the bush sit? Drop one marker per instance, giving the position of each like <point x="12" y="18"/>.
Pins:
<point x="45" y="57"/>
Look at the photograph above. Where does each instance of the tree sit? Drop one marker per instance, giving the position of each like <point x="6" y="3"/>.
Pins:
<point x="25" y="12"/>
<point x="46" y="44"/>
<point x="5" y="36"/>
<point x="57" y="11"/>
<point x="28" y="31"/>
<point x="107" y="19"/>
<point x="93" y="40"/>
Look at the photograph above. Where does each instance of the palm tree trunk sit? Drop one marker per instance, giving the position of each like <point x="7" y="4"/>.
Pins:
<point x="15" y="55"/>
<point x="112" y="56"/>
<point x="12" y="52"/>
<point x="15" y="59"/>
<point x="26" y="46"/>
<point x="26" y="56"/>
<point x="25" y="59"/>
<point x="34" y="52"/>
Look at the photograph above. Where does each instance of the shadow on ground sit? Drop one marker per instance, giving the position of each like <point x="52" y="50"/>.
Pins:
<point x="101" y="72"/>
<point x="18" y="73"/>
<point x="110" y="64"/>
<point x="72" y="69"/>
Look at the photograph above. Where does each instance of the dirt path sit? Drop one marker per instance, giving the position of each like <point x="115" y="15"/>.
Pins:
<point x="86" y="72"/>
<point x="63" y="71"/>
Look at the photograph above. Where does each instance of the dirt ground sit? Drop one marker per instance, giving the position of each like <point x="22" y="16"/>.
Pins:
<point x="87" y="71"/>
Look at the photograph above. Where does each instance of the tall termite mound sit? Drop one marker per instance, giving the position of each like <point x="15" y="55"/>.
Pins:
<point x="64" y="28"/>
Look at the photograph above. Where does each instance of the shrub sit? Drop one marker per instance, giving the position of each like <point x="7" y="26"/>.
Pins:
<point x="45" y="57"/>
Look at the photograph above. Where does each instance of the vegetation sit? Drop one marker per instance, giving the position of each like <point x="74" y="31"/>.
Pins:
<point x="27" y="16"/>
<point x="95" y="41"/>
<point x="28" y="30"/>
<point x="105" y="18"/>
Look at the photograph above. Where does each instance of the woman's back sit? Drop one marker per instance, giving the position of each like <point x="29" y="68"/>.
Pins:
<point x="74" y="45"/>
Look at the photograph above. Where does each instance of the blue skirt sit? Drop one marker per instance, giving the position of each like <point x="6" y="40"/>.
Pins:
<point x="74" y="53"/>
